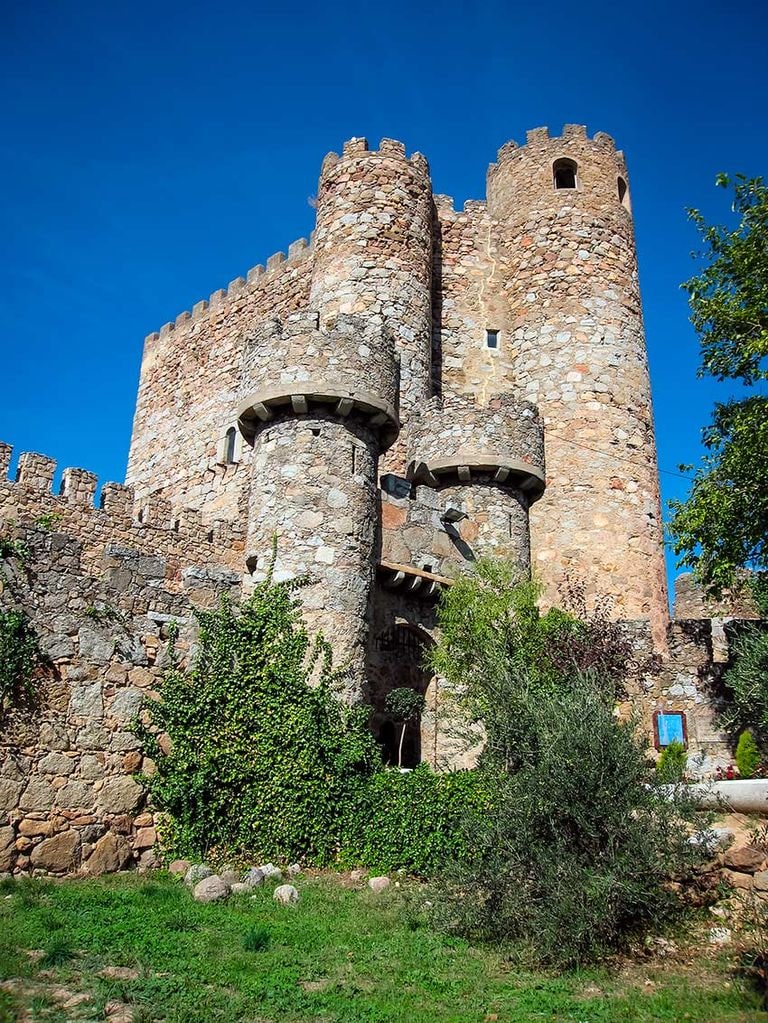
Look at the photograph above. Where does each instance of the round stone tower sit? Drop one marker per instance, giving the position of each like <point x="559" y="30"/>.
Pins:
<point x="487" y="462"/>
<point x="577" y="346"/>
<point x="373" y="255"/>
<point x="319" y="407"/>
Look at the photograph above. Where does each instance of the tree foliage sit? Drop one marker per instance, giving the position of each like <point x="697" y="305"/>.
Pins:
<point x="747" y="755"/>
<point x="746" y="683"/>
<point x="722" y="526"/>
<point x="405" y="705"/>
<point x="573" y="853"/>
<point x="498" y="652"/>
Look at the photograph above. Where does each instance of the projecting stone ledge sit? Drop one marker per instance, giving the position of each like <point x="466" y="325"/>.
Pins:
<point x="463" y="464"/>
<point x="297" y="397"/>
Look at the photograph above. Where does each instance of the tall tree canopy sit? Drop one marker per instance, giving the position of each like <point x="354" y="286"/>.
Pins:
<point x="723" y="525"/>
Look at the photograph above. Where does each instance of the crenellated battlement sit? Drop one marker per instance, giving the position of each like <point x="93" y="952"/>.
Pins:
<point x="151" y="525"/>
<point x="355" y="149"/>
<point x="260" y="276"/>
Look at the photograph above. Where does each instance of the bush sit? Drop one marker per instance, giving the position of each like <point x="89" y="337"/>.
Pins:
<point x="575" y="857"/>
<point x="19" y="656"/>
<point x="672" y="763"/>
<point x="262" y="762"/>
<point x="415" y="821"/>
<point x="747" y="755"/>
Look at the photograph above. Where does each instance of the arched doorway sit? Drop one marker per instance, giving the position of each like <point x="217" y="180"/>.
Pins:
<point x="399" y="663"/>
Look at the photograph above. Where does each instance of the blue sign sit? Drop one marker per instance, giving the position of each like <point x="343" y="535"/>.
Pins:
<point x="670" y="728"/>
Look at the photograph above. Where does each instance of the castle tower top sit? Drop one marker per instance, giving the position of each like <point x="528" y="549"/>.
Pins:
<point x="550" y="172"/>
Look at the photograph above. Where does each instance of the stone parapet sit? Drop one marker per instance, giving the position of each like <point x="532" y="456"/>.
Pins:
<point x="151" y="525"/>
<point x="292" y="365"/>
<point x="455" y="437"/>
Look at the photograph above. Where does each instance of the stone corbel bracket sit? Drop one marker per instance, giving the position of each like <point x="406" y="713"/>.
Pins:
<point x="505" y="469"/>
<point x="298" y="397"/>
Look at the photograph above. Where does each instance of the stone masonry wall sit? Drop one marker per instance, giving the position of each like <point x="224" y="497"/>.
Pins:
<point x="71" y="797"/>
<point x="189" y="387"/>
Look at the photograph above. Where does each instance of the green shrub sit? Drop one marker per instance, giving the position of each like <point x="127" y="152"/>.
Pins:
<point x="415" y="821"/>
<point x="672" y="763"/>
<point x="573" y="857"/>
<point x="747" y="755"/>
<point x="573" y="860"/>
<point x="262" y="763"/>
<point x="747" y="685"/>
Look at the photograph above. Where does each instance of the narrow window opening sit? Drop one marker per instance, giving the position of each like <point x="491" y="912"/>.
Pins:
<point x="229" y="445"/>
<point x="491" y="339"/>
<point x="209" y="536"/>
<point x="426" y="568"/>
<point x="510" y="525"/>
<point x="622" y="189"/>
<point x="315" y="431"/>
<point x="564" y="173"/>
<point x="354" y="459"/>
<point x="176" y="525"/>
<point x="141" y="515"/>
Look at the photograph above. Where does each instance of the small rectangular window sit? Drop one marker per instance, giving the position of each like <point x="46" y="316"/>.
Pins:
<point x="491" y="339"/>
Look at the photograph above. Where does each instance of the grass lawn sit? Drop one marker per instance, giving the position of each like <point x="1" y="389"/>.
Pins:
<point x="341" y="955"/>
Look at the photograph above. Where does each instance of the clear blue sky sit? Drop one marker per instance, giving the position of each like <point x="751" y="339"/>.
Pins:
<point x="153" y="152"/>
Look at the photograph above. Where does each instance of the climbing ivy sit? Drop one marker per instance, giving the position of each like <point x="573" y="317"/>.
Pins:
<point x="19" y="656"/>
<point x="263" y="757"/>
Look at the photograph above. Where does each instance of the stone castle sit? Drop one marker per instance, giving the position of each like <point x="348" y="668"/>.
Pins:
<point x="414" y="388"/>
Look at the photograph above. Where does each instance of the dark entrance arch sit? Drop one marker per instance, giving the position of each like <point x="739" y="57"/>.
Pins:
<point x="399" y="662"/>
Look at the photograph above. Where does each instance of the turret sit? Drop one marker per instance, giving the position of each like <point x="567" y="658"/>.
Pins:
<point x="319" y="406"/>
<point x="487" y="463"/>
<point x="576" y="346"/>
<point x="373" y="255"/>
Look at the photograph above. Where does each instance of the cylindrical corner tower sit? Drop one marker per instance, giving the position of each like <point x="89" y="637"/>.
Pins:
<point x="487" y="462"/>
<point x="373" y="255"/>
<point x="578" y="351"/>
<point x="319" y="408"/>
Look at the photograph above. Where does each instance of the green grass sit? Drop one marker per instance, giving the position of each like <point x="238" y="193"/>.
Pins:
<point x="339" y="956"/>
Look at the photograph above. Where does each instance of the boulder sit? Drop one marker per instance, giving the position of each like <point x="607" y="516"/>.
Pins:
<point x="747" y="859"/>
<point x="238" y="888"/>
<point x="760" y="881"/>
<point x="286" y="894"/>
<point x="38" y="795"/>
<point x="110" y="854"/>
<point x="230" y="875"/>
<point x="197" y="872"/>
<point x="56" y="763"/>
<point x="58" y="854"/>
<point x="293" y="870"/>
<point x="379" y="884"/>
<point x="7" y="847"/>
<point x="253" y="877"/>
<point x="178" y="867"/>
<point x="271" y="872"/>
<point x="211" y="889"/>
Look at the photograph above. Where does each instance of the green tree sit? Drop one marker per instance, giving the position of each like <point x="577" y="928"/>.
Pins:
<point x="722" y="526"/>
<point x="747" y="755"/>
<point x="405" y="705"/>
<point x="572" y="855"/>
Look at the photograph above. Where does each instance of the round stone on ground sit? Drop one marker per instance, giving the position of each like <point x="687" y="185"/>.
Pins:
<point x="379" y="884"/>
<point x="286" y="894"/>
<point x="178" y="867"/>
<point x="196" y="873"/>
<point x="211" y="889"/>
<point x="271" y="872"/>
<point x="253" y="877"/>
